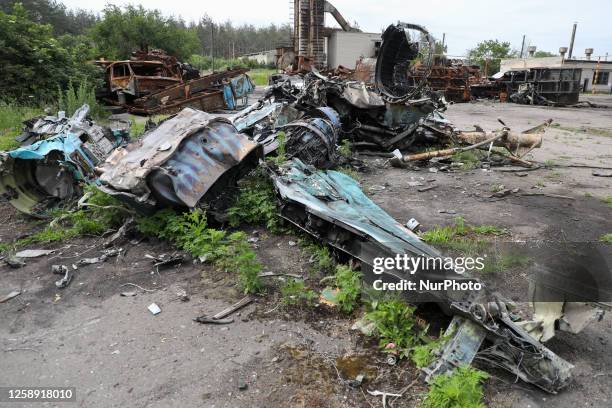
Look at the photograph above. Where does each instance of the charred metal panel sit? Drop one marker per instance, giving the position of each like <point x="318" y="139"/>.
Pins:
<point x="180" y="162"/>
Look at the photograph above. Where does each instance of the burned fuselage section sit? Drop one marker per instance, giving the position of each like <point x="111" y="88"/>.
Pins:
<point x="331" y="207"/>
<point x="59" y="155"/>
<point x="188" y="159"/>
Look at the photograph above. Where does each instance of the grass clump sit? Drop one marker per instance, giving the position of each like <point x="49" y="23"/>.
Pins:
<point x="469" y="159"/>
<point x="100" y="213"/>
<point x="346" y="149"/>
<point x="461" y="389"/>
<point x="444" y="235"/>
<point x="394" y="323"/>
<point x="11" y="123"/>
<point x="321" y="256"/>
<point x="256" y="204"/>
<point x="606" y="238"/>
<point x="189" y="231"/>
<point x="607" y="200"/>
<point x="259" y="76"/>
<point x="454" y="235"/>
<point x="294" y="292"/>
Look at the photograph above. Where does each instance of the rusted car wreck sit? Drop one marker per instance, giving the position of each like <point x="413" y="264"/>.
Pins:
<point x="152" y="83"/>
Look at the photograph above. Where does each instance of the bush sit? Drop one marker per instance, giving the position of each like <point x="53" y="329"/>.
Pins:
<point x="256" y="204"/>
<point x="72" y="99"/>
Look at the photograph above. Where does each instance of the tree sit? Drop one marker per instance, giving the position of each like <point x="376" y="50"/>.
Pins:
<point x="63" y="20"/>
<point x="540" y="54"/>
<point x="123" y="30"/>
<point x="488" y="54"/>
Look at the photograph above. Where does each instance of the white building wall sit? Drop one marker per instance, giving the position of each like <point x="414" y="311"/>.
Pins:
<point x="345" y="48"/>
<point x="264" y="57"/>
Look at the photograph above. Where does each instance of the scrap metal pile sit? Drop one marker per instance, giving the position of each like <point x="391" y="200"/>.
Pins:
<point x="194" y="159"/>
<point x="151" y="83"/>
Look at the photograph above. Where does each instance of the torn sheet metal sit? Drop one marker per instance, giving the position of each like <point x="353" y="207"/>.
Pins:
<point x="331" y="207"/>
<point x="220" y="90"/>
<point x="38" y="176"/>
<point x="188" y="158"/>
<point x="403" y="46"/>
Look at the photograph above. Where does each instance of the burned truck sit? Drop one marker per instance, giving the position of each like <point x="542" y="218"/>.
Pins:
<point x="154" y="82"/>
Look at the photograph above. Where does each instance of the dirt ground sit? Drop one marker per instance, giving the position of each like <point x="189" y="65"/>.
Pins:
<point x="117" y="354"/>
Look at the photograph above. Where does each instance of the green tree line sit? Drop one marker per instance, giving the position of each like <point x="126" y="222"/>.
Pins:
<point x="45" y="46"/>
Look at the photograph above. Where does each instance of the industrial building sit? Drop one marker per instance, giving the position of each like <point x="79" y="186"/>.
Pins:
<point x="596" y="76"/>
<point x="323" y="47"/>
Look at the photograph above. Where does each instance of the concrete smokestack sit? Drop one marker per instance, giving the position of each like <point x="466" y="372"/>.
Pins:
<point x="571" y="47"/>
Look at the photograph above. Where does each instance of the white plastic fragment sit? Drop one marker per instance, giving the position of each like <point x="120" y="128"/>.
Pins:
<point x="153" y="308"/>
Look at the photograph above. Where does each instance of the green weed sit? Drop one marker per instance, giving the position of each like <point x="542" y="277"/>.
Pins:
<point x="395" y="323"/>
<point x="320" y="254"/>
<point x="607" y="200"/>
<point x="137" y="128"/>
<point x="189" y="231"/>
<point x="606" y="238"/>
<point x="345" y="149"/>
<point x="281" y="154"/>
<point x="461" y="389"/>
<point x="294" y="292"/>
<point x="348" y="283"/>
<point x="72" y="99"/>
<point x="470" y="159"/>
<point x="256" y="204"/>
<point x="489" y="230"/>
<point x="101" y="213"/>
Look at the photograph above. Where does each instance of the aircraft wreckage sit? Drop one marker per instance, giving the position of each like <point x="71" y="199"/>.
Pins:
<point x="194" y="159"/>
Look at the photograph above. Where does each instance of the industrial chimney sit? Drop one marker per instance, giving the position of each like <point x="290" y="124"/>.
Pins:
<point x="588" y="52"/>
<point x="531" y="50"/>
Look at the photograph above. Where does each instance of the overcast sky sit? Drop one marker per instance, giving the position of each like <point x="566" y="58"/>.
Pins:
<point x="546" y="23"/>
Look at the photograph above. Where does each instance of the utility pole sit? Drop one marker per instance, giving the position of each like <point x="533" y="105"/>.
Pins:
<point x="522" y="47"/>
<point x="212" y="44"/>
<point x="443" y="42"/>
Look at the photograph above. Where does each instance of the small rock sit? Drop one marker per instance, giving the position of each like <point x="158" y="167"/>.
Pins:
<point x="242" y="385"/>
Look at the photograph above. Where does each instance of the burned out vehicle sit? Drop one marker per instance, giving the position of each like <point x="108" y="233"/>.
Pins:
<point x="129" y="80"/>
<point x="154" y="82"/>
